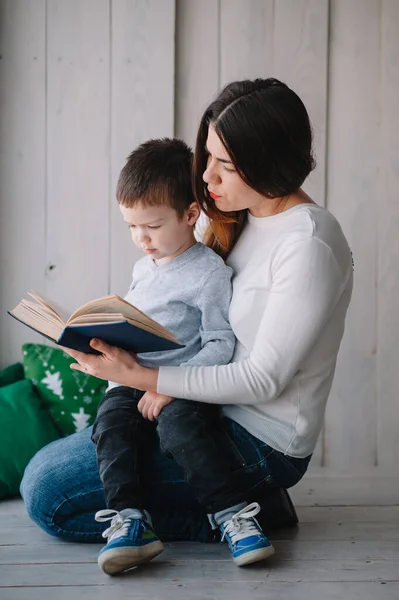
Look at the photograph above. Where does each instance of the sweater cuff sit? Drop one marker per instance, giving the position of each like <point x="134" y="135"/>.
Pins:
<point x="171" y="381"/>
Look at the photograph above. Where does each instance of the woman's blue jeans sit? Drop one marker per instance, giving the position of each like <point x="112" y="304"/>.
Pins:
<point x="62" y="489"/>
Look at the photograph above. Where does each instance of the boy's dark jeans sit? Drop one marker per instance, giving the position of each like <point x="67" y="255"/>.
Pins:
<point x="223" y="463"/>
<point x="190" y="432"/>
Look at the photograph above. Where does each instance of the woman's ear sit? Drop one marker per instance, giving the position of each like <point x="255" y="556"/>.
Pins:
<point x="193" y="213"/>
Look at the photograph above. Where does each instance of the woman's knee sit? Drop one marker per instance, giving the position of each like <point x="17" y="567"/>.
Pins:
<point x="39" y="477"/>
<point x="54" y="474"/>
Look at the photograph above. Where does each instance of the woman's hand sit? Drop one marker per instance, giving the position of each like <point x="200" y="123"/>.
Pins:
<point x="152" y="403"/>
<point x="114" y="364"/>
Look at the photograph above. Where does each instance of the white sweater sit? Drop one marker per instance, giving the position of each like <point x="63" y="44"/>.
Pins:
<point x="292" y="285"/>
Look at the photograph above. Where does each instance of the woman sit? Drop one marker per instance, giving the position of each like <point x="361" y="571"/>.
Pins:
<point x="291" y="290"/>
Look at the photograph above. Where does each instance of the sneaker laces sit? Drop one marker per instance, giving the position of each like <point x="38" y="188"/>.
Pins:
<point x="242" y="524"/>
<point x="119" y="525"/>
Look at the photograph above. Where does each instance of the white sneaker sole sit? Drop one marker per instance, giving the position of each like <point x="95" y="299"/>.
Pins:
<point x="117" y="560"/>
<point x="254" y="556"/>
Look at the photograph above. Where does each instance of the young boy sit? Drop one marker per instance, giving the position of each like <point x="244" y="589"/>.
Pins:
<point x="186" y="287"/>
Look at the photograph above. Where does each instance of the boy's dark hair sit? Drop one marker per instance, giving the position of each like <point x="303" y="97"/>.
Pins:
<point x="157" y="172"/>
<point x="266" y="131"/>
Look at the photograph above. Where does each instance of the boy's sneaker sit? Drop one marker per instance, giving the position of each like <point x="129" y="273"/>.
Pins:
<point x="131" y="541"/>
<point x="245" y="537"/>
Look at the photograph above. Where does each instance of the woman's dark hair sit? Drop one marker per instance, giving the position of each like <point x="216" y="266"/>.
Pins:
<point x="157" y="172"/>
<point x="266" y="131"/>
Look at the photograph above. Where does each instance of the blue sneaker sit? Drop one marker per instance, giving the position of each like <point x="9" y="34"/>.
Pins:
<point x="131" y="540"/>
<point x="245" y="537"/>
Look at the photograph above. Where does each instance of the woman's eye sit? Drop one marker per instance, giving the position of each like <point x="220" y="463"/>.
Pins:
<point x="154" y="226"/>
<point x="229" y="170"/>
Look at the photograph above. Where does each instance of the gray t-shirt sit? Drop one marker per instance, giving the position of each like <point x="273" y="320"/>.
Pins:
<point x="190" y="295"/>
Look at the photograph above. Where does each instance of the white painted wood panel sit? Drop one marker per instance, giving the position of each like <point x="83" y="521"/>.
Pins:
<point x="326" y="487"/>
<point x="225" y="590"/>
<point x="199" y="573"/>
<point x="77" y="150"/>
<point x="352" y="196"/>
<point x="300" y="52"/>
<point x="197" y="63"/>
<point x="22" y="164"/>
<point x="388" y="245"/>
<point x="142" y="104"/>
<point x="246" y="39"/>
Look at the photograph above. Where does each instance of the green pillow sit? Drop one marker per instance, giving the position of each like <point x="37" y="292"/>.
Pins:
<point x="72" y="397"/>
<point x="11" y="374"/>
<point x="25" y="428"/>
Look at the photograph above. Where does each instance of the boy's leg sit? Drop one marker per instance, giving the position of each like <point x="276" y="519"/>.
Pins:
<point x="122" y="436"/>
<point x="191" y="433"/>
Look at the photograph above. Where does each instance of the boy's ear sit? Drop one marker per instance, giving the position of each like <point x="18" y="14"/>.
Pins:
<point x="193" y="213"/>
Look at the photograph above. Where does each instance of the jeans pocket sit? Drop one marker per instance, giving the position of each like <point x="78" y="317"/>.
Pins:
<point x="250" y="452"/>
<point x="231" y="451"/>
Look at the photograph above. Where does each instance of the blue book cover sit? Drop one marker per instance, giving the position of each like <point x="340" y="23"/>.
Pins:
<point x="41" y="317"/>
<point x="121" y="334"/>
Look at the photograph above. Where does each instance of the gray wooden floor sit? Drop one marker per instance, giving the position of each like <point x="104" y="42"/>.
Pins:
<point x="336" y="553"/>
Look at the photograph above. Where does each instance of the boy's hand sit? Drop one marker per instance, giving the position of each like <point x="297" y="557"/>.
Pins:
<point x="152" y="403"/>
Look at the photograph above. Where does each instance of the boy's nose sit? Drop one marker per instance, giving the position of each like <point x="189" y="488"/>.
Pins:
<point x="143" y="237"/>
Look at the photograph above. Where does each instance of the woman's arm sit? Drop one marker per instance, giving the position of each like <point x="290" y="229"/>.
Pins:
<point x="307" y="284"/>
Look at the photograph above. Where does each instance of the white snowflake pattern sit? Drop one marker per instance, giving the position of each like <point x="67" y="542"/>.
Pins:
<point x="87" y="399"/>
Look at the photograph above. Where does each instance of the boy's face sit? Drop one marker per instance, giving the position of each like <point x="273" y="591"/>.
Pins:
<point x="158" y="231"/>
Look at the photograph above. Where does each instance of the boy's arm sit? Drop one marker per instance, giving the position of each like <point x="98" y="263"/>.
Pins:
<point x="217" y="338"/>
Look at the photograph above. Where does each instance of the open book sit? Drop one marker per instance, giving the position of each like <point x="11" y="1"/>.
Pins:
<point x="110" y="319"/>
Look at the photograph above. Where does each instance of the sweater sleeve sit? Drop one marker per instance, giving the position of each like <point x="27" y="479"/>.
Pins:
<point x="217" y="337"/>
<point x="307" y="284"/>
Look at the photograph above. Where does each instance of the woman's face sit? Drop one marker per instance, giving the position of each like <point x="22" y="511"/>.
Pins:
<point x="225" y="186"/>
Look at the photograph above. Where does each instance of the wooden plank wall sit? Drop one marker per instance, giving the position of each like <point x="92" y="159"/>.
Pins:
<point x="82" y="82"/>
<point x="22" y="163"/>
<point x="352" y="192"/>
<point x="77" y="148"/>
<point x="141" y="104"/>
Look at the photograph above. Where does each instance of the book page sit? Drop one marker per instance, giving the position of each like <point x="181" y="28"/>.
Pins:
<point x="114" y="304"/>
<point x="51" y="307"/>
<point x="101" y="318"/>
<point x="39" y="318"/>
